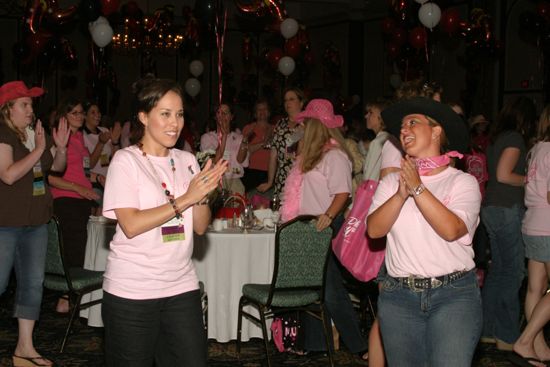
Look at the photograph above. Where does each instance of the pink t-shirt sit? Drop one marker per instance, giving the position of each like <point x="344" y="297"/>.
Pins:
<point x="232" y="146"/>
<point x="330" y="177"/>
<point x="391" y="153"/>
<point x="535" y="221"/>
<point x="145" y="266"/>
<point x="413" y="247"/>
<point x="78" y="162"/>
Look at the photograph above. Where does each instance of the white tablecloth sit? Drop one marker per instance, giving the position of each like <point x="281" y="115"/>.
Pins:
<point x="97" y="249"/>
<point x="224" y="262"/>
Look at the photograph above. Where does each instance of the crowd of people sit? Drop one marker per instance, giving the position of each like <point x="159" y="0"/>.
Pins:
<point x="456" y="197"/>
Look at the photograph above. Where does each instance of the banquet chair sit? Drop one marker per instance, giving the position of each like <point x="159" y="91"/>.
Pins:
<point x="74" y="281"/>
<point x="298" y="282"/>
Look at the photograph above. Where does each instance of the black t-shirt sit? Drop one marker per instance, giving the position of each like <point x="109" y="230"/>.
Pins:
<point x="500" y="194"/>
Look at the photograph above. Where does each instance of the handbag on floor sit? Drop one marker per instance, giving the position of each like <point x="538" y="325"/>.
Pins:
<point x="285" y="330"/>
<point x="359" y="254"/>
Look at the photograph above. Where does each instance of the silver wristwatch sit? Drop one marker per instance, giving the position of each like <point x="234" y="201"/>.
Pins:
<point x="418" y="190"/>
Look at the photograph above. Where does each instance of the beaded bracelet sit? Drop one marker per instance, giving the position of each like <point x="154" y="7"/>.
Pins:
<point x="175" y="207"/>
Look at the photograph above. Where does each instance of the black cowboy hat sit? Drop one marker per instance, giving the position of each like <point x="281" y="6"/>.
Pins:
<point x="453" y="125"/>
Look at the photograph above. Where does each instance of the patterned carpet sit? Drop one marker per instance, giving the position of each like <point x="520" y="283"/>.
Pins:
<point x="84" y="347"/>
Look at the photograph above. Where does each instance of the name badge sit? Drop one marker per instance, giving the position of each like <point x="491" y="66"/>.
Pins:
<point x="38" y="187"/>
<point x="104" y="160"/>
<point x="172" y="230"/>
<point x="86" y="166"/>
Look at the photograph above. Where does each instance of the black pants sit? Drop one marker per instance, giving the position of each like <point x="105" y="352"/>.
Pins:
<point x="164" y="332"/>
<point x="73" y="215"/>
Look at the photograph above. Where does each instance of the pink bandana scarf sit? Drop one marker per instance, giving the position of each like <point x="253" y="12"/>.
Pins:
<point x="425" y="165"/>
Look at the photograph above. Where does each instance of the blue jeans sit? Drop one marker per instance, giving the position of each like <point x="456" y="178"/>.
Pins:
<point x="24" y="248"/>
<point x="162" y="332"/>
<point x="430" y="327"/>
<point x="501" y="301"/>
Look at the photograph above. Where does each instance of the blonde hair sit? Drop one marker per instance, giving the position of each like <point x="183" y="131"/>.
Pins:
<point x="443" y="141"/>
<point x="316" y="136"/>
<point x="6" y="119"/>
<point x="543" y="127"/>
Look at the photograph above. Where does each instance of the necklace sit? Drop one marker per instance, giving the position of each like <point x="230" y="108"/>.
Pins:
<point x="169" y="195"/>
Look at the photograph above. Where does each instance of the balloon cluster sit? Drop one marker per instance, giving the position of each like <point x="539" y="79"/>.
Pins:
<point x="193" y="85"/>
<point x="157" y="31"/>
<point x="406" y="35"/>
<point x="43" y="41"/>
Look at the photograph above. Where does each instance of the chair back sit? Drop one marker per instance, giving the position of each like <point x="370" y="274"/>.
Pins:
<point x="301" y="253"/>
<point x="54" y="259"/>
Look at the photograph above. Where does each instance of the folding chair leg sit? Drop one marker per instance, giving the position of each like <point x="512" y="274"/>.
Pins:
<point x="240" y="326"/>
<point x="326" y="332"/>
<point x="264" y="333"/>
<point x="75" y="310"/>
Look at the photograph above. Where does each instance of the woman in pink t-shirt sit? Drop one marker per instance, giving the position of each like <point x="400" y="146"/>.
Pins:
<point x="151" y="304"/>
<point x="536" y="236"/>
<point x="72" y="191"/>
<point x="429" y="305"/>
<point x="319" y="183"/>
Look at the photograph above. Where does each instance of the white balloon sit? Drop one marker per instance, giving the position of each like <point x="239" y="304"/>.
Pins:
<point x="286" y="65"/>
<point x="196" y="68"/>
<point x="192" y="87"/>
<point x="429" y="14"/>
<point x="102" y="34"/>
<point x="421" y="1"/>
<point x="99" y="20"/>
<point x="395" y="81"/>
<point x="289" y="28"/>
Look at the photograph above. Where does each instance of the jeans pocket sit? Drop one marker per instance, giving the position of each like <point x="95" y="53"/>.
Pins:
<point x="389" y="284"/>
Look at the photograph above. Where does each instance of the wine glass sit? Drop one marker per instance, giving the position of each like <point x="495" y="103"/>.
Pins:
<point x="275" y="215"/>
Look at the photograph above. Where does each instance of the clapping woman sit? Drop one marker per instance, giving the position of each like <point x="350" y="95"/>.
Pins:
<point x="151" y="304"/>
<point x="25" y="162"/>
<point x="429" y="305"/>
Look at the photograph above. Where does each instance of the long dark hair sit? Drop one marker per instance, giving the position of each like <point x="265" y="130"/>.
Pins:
<point x="519" y="114"/>
<point x="64" y="107"/>
<point x="147" y="92"/>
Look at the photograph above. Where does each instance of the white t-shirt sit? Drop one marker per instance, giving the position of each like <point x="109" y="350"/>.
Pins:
<point x="413" y="247"/>
<point x="391" y="153"/>
<point x="90" y="140"/>
<point x="535" y="221"/>
<point x="146" y="267"/>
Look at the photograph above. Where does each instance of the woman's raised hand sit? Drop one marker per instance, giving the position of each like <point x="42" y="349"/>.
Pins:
<point x="61" y="133"/>
<point x="116" y="131"/>
<point x="39" y="137"/>
<point x="206" y="180"/>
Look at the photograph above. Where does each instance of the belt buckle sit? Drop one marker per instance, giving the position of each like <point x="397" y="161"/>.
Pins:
<point x="411" y="282"/>
<point x="434" y="283"/>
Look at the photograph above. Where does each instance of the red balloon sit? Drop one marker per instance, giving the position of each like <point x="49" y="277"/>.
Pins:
<point x="399" y="36"/>
<point x="418" y="37"/>
<point x="543" y="9"/>
<point x="388" y="25"/>
<point x="61" y="16"/>
<point x="393" y="50"/>
<point x="274" y="56"/>
<point x="109" y="7"/>
<point x="292" y="47"/>
<point x="450" y="20"/>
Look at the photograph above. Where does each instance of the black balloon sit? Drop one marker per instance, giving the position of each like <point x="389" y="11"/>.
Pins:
<point x="89" y="10"/>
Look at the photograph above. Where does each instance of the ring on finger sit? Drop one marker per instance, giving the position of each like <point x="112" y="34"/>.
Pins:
<point x="205" y="179"/>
